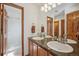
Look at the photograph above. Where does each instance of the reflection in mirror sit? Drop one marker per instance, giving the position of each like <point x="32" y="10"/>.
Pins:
<point x="73" y="25"/>
<point x="56" y="27"/>
<point x="59" y="22"/>
<point x="62" y="27"/>
<point x="49" y="26"/>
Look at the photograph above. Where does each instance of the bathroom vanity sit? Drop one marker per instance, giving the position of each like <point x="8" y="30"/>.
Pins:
<point x="43" y="44"/>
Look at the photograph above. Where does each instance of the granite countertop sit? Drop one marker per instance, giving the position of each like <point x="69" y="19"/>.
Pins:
<point x="43" y="44"/>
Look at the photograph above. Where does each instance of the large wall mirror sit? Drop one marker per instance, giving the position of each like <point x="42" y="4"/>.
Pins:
<point x="56" y="25"/>
<point x="13" y="30"/>
<point x="59" y="24"/>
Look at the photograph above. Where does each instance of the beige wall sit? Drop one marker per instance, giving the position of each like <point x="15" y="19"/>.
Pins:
<point x="32" y="14"/>
<point x="69" y="7"/>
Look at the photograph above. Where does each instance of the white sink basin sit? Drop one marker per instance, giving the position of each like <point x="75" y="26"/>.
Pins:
<point x="37" y="38"/>
<point x="71" y="41"/>
<point x="48" y="36"/>
<point x="60" y="47"/>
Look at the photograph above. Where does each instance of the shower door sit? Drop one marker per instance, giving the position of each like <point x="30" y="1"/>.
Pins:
<point x="13" y="30"/>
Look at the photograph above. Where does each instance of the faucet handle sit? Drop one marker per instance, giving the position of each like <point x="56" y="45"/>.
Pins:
<point x="60" y="39"/>
<point x="55" y="38"/>
<point x="65" y="36"/>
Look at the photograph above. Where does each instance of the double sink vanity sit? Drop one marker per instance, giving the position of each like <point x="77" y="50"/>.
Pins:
<point x="55" y="47"/>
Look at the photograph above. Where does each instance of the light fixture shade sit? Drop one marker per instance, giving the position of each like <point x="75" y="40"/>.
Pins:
<point x="53" y="5"/>
<point x="49" y="8"/>
<point x="45" y="5"/>
<point x="42" y="8"/>
<point x="58" y="3"/>
<point x="49" y="3"/>
<point x="46" y="10"/>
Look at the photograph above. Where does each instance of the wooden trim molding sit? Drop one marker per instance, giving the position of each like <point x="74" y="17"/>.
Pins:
<point x="22" y="21"/>
<point x="13" y="5"/>
<point x="22" y="31"/>
<point x="2" y="24"/>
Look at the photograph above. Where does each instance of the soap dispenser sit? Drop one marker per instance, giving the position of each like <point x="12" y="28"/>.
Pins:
<point x="42" y="31"/>
<point x="42" y="28"/>
<point x="33" y="30"/>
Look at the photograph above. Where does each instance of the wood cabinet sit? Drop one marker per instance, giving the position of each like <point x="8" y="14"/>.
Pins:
<point x="33" y="50"/>
<point x="49" y="26"/>
<point x="72" y="25"/>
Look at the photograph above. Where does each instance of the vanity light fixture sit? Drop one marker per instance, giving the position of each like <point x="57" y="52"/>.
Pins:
<point x="48" y="19"/>
<point x="48" y="6"/>
<point x="58" y="3"/>
<point x="49" y="3"/>
<point x="46" y="10"/>
<point x="42" y="8"/>
<point x="53" y="5"/>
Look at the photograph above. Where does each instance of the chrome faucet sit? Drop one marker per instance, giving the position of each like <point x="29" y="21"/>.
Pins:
<point x="65" y="38"/>
<point x="55" y="38"/>
<point x="61" y="39"/>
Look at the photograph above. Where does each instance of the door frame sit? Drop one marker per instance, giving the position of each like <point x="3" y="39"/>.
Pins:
<point x="22" y="25"/>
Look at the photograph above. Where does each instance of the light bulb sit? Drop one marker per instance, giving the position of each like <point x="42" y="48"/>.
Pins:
<point x="48" y="19"/>
<point x="49" y="8"/>
<point x="45" y="10"/>
<point x="42" y="8"/>
<point x="45" y="5"/>
<point x="53" y="5"/>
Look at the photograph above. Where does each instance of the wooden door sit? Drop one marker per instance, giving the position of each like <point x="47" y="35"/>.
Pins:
<point x="71" y="19"/>
<point x="62" y="27"/>
<point x="49" y="26"/>
<point x="56" y="28"/>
